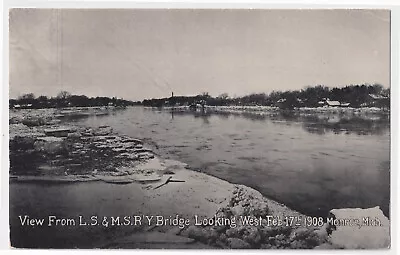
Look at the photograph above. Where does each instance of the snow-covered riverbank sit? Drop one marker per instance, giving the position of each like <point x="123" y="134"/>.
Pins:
<point x="271" y="109"/>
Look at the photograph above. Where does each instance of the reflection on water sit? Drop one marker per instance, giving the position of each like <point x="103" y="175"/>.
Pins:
<point x="317" y="124"/>
<point x="312" y="162"/>
<point x="76" y="114"/>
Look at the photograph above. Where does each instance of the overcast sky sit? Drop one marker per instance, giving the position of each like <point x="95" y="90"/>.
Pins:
<point x="137" y="54"/>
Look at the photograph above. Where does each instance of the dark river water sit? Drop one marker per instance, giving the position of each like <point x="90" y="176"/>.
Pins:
<point x="310" y="163"/>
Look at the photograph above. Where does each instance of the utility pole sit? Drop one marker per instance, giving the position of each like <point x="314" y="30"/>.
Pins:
<point x="173" y="104"/>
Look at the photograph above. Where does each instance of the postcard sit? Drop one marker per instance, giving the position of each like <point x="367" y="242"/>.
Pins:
<point x="163" y="128"/>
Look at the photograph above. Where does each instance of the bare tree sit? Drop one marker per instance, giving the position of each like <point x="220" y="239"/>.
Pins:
<point x="29" y="96"/>
<point x="63" y="95"/>
<point x="223" y="96"/>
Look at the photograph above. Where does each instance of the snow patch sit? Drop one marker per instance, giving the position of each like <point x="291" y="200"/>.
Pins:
<point x="372" y="232"/>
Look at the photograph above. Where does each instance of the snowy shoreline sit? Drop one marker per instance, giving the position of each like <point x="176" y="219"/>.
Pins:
<point x="331" y="109"/>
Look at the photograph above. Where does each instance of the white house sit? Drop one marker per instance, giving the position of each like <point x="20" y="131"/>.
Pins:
<point x="332" y="103"/>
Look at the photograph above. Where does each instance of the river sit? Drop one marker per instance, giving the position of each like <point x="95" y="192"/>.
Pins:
<point x="311" y="163"/>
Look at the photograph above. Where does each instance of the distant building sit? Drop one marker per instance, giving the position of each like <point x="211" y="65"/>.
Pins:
<point x="332" y="103"/>
<point x="376" y="100"/>
<point x="280" y="102"/>
<point x="22" y="106"/>
<point x="377" y="97"/>
<point x="329" y="103"/>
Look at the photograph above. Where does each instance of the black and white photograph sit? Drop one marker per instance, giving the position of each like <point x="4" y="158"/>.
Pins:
<point x="190" y="128"/>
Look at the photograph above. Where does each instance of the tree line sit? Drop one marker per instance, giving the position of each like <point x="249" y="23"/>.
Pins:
<point x="66" y="99"/>
<point x="352" y="95"/>
<point x="311" y="96"/>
